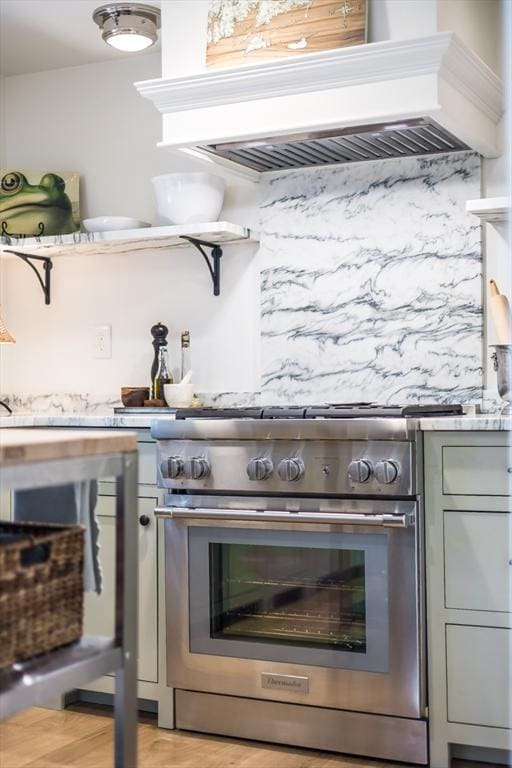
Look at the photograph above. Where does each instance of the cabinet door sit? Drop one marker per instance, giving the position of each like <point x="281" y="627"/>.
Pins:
<point x="99" y="609"/>
<point x="478" y="675"/>
<point x="476" y="560"/>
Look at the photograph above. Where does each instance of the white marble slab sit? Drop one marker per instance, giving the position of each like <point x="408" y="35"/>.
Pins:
<point x="478" y="423"/>
<point x="83" y="403"/>
<point x="87" y="410"/>
<point x="112" y="421"/>
<point x="87" y="404"/>
<point x="484" y="422"/>
<point x="372" y="283"/>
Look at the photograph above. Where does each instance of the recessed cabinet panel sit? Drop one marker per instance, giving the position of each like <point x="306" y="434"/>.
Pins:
<point x="478" y="670"/>
<point x="476" y="471"/>
<point x="476" y="560"/>
<point x="147" y="463"/>
<point x="99" y="609"/>
<point x="5" y="505"/>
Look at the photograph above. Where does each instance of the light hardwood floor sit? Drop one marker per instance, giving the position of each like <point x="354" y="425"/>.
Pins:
<point x="81" y="737"/>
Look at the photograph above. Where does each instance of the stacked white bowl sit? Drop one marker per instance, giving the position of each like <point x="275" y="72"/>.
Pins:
<point x="185" y="198"/>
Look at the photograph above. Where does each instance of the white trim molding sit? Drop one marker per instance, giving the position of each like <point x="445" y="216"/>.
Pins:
<point x="491" y="210"/>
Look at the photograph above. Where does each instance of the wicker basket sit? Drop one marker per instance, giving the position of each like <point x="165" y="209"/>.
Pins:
<point x="41" y="588"/>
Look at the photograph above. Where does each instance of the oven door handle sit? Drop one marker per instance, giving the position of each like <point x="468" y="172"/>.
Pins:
<point x="387" y="520"/>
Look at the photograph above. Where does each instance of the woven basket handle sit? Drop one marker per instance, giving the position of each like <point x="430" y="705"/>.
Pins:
<point x="35" y="554"/>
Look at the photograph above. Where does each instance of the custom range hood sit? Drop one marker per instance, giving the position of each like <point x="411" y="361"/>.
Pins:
<point x="390" y="99"/>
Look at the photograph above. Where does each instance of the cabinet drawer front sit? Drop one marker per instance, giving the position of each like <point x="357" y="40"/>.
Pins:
<point x="476" y="560"/>
<point x="476" y="471"/>
<point x="478" y="675"/>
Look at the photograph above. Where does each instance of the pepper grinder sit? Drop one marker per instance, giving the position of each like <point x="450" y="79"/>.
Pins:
<point x="159" y="333"/>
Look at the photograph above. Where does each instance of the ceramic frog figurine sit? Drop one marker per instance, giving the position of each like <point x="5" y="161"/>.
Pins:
<point x="24" y="206"/>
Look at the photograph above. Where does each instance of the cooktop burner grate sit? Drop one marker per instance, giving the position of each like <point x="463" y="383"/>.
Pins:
<point x="334" y="411"/>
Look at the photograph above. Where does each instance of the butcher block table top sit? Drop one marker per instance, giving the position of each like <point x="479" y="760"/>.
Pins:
<point x="23" y="446"/>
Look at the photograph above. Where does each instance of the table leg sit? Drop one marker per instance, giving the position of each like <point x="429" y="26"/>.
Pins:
<point x="126" y="612"/>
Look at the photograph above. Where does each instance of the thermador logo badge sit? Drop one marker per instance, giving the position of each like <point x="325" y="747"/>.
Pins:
<point x="285" y="682"/>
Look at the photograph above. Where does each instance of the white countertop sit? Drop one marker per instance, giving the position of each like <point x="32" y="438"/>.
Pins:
<point x="110" y="420"/>
<point x="488" y="422"/>
<point x="481" y="422"/>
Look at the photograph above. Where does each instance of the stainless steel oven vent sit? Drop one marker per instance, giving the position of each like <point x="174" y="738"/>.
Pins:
<point x="349" y="145"/>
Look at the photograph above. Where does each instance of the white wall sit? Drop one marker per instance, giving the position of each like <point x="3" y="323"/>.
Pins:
<point x="2" y="118"/>
<point x="497" y="181"/>
<point x="91" y="119"/>
<point x="401" y="19"/>
<point x="477" y="22"/>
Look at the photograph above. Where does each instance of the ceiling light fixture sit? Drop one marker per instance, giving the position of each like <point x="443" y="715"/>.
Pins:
<point x="128" y="27"/>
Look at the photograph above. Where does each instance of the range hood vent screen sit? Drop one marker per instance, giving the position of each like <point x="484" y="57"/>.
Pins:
<point x="351" y="145"/>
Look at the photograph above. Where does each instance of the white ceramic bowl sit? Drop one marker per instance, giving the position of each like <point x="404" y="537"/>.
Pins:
<point x="184" y="198"/>
<point x="178" y="395"/>
<point x="112" y="223"/>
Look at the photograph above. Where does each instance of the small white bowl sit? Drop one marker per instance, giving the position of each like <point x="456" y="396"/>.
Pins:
<point x="178" y="395"/>
<point x="112" y="223"/>
<point x="184" y="198"/>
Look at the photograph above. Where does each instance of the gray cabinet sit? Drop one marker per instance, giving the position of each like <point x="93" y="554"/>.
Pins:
<point x="99" y="609"/>
<point x="469" y="620"/>
<point x="99" y="614"/>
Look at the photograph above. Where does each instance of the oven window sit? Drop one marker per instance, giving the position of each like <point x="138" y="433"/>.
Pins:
<point x="312" y="597"/>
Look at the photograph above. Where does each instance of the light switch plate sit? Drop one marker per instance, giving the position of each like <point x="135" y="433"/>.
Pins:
<point x="102" y="341"/>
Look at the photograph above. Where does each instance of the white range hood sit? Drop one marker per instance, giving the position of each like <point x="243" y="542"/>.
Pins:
<point x="428" y="95"/>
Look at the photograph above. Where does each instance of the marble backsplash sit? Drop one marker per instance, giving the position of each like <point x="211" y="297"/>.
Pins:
<point x="97" y="405"/>
<point x="52" y="403"/>
<point x="371" y="283"/>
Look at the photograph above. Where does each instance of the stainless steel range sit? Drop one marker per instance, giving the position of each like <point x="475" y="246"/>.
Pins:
<point x="294" y="575"/>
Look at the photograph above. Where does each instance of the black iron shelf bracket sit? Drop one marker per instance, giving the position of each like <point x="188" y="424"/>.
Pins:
<point x="213" y="264"/>
<point x="47" y="268"/>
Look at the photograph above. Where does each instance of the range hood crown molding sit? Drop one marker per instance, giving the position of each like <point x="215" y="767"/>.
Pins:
<point x="436" y="79"/>
<point x="442" y="53"/>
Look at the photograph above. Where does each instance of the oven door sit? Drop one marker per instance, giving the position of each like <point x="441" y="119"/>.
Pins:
<point x="311" y="607"/>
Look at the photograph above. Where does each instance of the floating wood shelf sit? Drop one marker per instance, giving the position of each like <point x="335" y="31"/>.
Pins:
<point x="201" y="235"/>
<point x="490" y="209"/>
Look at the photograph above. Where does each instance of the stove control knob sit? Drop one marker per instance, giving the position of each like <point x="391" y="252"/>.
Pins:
<point x="259" y="469"/>
<point x="386" y="471"/>
<point x="290" y="469"/>
<point x="173" y="467"/>
<point x="359" y="471"/>
<point x="196" y="468"/>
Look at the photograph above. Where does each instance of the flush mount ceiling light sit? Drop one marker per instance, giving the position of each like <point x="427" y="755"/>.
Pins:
<point x="128" y="26"/>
